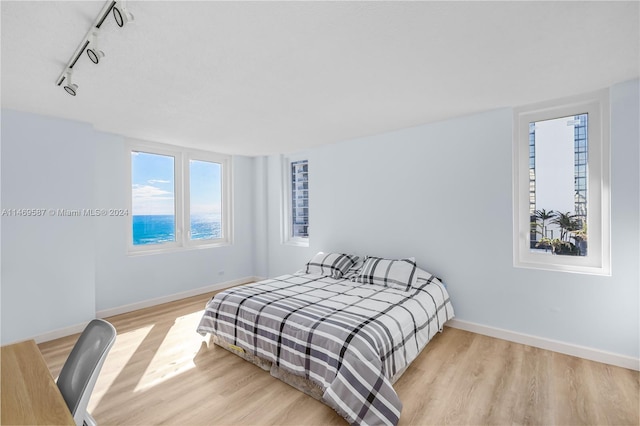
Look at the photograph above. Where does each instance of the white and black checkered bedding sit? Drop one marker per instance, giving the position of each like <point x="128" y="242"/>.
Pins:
<point x="348" y="338"/>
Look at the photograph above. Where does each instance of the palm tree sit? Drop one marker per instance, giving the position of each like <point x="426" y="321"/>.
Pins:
<point x="544" y="215"/>
<point x="567" y="222"/>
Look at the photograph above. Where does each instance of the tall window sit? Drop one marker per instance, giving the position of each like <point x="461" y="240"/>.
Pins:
<point x="561" y="175"/>
<point x="300" y="199"/>
<point x="558" y="197"/>
<point x="205" y="200"/>
<point x="153" y="204"/>
<point x="179" y="198"/>
<point x="296" y="201"/>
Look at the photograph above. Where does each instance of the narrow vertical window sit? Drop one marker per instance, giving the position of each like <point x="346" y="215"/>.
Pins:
<point x="558" y="185"/>
<point x="295" y="201"/>
<point x="205" y="201"/>
<point x="561" y="185"/>
<point x="300" y="199"/>
<point x="153" y="198"/>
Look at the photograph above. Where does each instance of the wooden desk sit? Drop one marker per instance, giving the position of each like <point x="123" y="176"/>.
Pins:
<point x="29" y="395"/>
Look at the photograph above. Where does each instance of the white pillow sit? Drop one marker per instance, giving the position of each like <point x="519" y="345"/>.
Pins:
<point x="333" y="265"/>
<point x="401" y="273"/>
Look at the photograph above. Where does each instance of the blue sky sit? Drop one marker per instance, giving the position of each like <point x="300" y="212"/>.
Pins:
<point x="153" y="185"/>
<point x="204" y="187"/>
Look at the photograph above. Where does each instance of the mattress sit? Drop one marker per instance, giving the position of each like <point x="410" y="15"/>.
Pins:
<point x="342" y="342"/>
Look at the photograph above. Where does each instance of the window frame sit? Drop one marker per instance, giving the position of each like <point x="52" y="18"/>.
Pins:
<point x="182" y="157"/>
<point x="598" y="259"/>
<point x="287" y="202"/>
<point x="226" y="194"/>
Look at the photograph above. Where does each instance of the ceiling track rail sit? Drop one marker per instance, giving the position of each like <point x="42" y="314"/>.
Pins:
<point x="121" y="17"/>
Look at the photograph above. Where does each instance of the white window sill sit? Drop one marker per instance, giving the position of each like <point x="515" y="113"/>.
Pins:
<point x="297" y="242"/>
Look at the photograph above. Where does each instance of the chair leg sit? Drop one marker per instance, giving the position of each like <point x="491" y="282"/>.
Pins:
<point x="89" y="420"/>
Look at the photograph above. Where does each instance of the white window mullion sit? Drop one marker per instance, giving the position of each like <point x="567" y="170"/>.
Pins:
<point x="179" y="199"/>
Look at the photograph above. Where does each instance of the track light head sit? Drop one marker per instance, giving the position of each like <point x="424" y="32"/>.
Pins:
<point x="70" y="87"/>
<point x="95" y="55"/>
<point x="121" y="15"/>
<point x="93" y="52"/>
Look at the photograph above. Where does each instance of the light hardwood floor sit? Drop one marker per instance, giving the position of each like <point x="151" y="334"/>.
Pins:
<point x="160" y="371"/>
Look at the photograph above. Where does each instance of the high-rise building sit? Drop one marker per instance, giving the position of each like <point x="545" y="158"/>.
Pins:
<point x="580" y="124"/>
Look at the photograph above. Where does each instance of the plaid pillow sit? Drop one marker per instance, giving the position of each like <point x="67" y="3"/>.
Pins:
<point x="333" y="265"/>
<point x="400" y="274"/>
<point x="354" y="270"/>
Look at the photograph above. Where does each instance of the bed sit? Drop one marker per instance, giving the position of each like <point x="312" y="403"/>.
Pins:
<point x="340" y="330"/>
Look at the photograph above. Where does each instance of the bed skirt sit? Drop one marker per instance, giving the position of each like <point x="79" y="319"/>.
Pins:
<point x="301" y="383"/>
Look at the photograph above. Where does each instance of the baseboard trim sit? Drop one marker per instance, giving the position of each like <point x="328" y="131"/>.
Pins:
<point x="499" y="333"/>
<point x="60" y="332"/>
<point x="104" y="313"/>
<point x="75" y="329"/>
<point x="549" y="344"/>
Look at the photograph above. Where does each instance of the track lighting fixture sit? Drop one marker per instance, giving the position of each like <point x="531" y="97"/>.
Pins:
<point x="90" y="42"/>
<point x="121" y="15"/>
<point x="70" y="87"/>
<point x="93" y="52"/>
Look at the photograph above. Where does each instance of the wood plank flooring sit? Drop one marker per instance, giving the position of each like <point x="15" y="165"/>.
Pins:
<point x="160" y="371"/>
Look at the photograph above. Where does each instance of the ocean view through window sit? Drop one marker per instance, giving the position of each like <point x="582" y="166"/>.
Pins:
<point x="179" y="198"/>
<point x="205" y="198"/>
<point x="153" y="229"/>
<point x="153" y="198"/>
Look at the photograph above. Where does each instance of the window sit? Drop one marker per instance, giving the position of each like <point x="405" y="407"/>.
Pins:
<point x="205" y="200"/>
<point x="153" y="203"/>
<point x="300" y="199"/>
<point x="179" y="198"/>
<point x="296" y="201"/>
<point x="561" y="183"/>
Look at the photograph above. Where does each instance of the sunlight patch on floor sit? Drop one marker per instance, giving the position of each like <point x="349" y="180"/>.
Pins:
<point x="126" y="345"/>
<point x="175" y="354"/>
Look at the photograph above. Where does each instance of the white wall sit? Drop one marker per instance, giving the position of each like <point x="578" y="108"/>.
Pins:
<point x="58" y="272"/>
<point x="442" y="193"/>
<point x="122" y="279"/>
<point x="260" y="223"/>
<point x="48" y="262"/>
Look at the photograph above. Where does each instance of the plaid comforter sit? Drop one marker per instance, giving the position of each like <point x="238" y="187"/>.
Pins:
<point x="348" y="338"/>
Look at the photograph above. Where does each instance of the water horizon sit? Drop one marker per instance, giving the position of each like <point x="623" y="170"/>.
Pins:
<point x="158" y="229"/>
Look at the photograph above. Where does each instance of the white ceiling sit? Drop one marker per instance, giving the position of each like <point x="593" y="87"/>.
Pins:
<point x="265" y="77"/>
